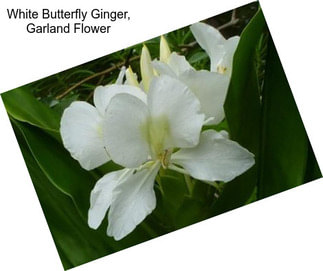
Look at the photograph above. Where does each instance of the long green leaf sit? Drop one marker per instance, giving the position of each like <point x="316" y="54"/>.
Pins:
<point x="263" y="117"/>
<point x="243" y="113"/>
<point x="284" y="143"/>
<point x="58" y="166"/>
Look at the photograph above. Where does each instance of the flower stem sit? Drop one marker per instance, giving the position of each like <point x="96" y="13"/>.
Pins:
<point x="178" y="169"/>
<point x="189" y="184"/>
<point x="160" y="185"/>
<point x="217" y="186"/>
<point x="118" y="65"/>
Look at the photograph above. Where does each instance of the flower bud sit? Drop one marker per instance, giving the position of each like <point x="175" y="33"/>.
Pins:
<point x="131" y="77"/>
<point x="164" y="51"/>
<point x="146" y="68"/>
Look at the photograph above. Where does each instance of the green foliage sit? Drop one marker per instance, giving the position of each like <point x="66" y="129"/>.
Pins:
<point x="63" y="189"/>
<point x="22" y="106"/>
<point x="75" y="241"/>
<point x="284" y="144"/>
<point x="243" y="113"/>
<point x="182" y="200"/>
<point x="59" y="167"/>
<point x="261" y="115"/>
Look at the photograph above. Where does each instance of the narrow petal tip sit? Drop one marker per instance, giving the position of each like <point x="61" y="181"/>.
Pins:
<point x="164" y="52"/>
<point x="146" y="68"/>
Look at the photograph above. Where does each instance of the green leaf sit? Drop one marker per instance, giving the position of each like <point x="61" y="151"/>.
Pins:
<point x="312" y="169"/>
<point x="179" y="205"/>
<point x="59" y="167"/>
<point x="170" y="192"/>
<point x="284" y="145"/>
<point x="23" y="106"/>
<point x="243" y="113"/>
<point x="262" y="116"/>
<point x="197" y="206"/>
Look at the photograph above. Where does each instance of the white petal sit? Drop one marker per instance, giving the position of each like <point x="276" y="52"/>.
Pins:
<point x="211" y="89"/>
<point x="103" y="95"/>
<point x="125" y="130"/>
<point x="216" y="158"/>
<point x="146" y="68"/>
<point x="163" y="68"/>
<point x="82" y="134"/>
<point x="133" y="199"/>
<point x="211" y="40"/>
<point x="121" y="75"/>
<point x="224" y="134"/>
<point x="230" y="47"/>
<point x="178" y="64"/>
<point x="177" y="110"/>
<point x="101" y="196"/>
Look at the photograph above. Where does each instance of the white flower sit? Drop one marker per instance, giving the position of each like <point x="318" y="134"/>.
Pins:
<point x="219" y="49"/>
<point x="137" y="130"/>
<point x="81" y="125"/>
<point x="142" y="137"/>
<point x="209" y="87"/>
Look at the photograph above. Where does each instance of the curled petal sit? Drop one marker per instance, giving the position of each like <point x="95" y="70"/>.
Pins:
<point x="101" y="196"/>
<point x="125" y="131"/>
<point x="133" y="199"/>
<point x="223" y="134"/>
<point x="177" y="109"/>
<point x="216" y="158"/>
<point x="211" y="89"/>
<point x="174" y="67"/>
<point x="227" y="59"/>
<point x="82" y="134"/>
<point x="163" y="68"/>
<point x="179" y="64"/>
<point x="103" y="95"/>
<point x="211" y="40"/>
<point x="121" y="75"/>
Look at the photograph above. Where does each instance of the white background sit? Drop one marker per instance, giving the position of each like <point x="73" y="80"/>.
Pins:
<point x="283" y="232"/>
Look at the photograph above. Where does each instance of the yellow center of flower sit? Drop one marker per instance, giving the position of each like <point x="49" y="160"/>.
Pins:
<point x="156" y="131"/>
<point x="165" y="158"/>
<point x="221" y="69"/>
